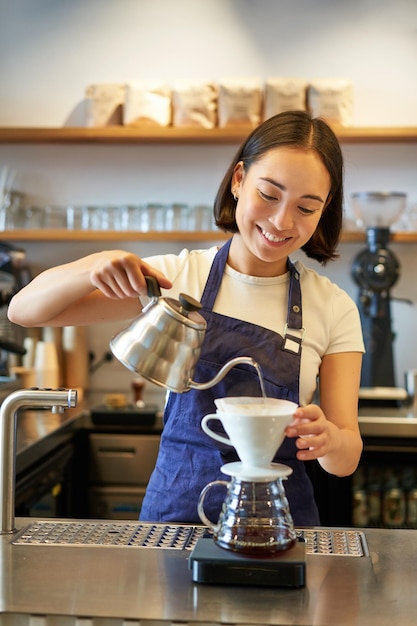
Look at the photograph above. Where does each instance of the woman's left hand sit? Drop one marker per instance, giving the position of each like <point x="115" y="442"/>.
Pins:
<point x="330" y="432"/>
<point x="316" y="436"/>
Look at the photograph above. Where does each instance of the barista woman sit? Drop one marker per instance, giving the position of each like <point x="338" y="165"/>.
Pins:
<point x="282" y="193"/>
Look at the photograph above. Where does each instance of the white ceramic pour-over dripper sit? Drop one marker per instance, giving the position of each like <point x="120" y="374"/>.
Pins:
<point x="252" y="405"/>
<point x="255" y="428"/>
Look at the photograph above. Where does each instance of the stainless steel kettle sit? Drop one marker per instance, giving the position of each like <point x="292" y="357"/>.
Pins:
<point x="164" y="343"/>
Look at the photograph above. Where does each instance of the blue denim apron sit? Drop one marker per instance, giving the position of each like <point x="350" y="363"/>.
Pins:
<point x="188" y="458"/>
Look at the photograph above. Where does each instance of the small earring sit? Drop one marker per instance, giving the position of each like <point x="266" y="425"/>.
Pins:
<point x="235" y="197"/>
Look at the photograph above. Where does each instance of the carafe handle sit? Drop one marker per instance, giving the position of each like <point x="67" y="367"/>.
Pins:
<point x="211" y="433"/>
<point x="200" y="505"/>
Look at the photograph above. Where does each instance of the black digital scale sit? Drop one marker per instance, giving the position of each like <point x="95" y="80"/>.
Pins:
<point x="213" y="565"/>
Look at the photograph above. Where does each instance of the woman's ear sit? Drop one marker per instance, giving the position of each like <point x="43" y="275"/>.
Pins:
<point x="238" y="174"/>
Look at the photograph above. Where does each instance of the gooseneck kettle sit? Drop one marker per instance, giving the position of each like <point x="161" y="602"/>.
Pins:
<point x="164" y="343"/>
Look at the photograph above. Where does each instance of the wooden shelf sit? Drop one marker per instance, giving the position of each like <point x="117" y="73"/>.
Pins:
<point x="156" y="135"/>
<point x="134" y="135"/>
<point x="107" y="235"/>
<point x="395" y="237"/>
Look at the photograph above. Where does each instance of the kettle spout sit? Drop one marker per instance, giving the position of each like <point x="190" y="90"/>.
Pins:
<point x="228" y="366"/>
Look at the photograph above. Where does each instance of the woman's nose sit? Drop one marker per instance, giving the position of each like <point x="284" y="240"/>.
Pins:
<point x="282" y="218"/>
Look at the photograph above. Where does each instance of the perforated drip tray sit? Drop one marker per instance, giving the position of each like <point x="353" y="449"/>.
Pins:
<point x="325" y="541"/>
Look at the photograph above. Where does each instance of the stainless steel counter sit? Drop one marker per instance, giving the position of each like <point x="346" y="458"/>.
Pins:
<point x="388" y="422"/>
<point x="155" y="584"/>
<point x="105" y="584"/>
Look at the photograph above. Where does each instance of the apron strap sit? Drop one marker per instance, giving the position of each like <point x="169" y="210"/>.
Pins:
<point x="293" y="331"/>
<point x="215" y="276"/>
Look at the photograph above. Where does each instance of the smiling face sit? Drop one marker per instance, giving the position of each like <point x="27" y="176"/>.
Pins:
<point x="281" y="198"/>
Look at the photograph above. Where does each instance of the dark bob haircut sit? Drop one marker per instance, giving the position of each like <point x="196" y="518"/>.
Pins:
<point x="296" y="129"/>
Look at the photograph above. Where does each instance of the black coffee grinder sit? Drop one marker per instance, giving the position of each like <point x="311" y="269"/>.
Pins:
<point x="376" y="270"/>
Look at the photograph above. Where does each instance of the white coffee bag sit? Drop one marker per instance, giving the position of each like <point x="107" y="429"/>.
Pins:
<point x="239" y="102"/>
<point x="147" y="102"/>
<point x="104" y="104"/>
<point x="194" y="104"/>
<point x="331" y="99"/>
<point x="284" y="94"/>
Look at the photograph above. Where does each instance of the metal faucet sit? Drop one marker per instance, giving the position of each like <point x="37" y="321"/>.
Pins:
<point x="57" y="400"/>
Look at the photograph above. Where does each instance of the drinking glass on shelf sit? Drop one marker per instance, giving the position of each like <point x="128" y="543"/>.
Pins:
<point x="156" y="216"/>
<point x="91" y="218"/>
<point x="176" y="216"/>
<point x="137" y="218"/>
<point x="77" y="217"/>
<point x="201" y="218"/>
<point x="12" y="213"/>
<point x="114" y="217"/>
<point x="55" y="216"/>
<point x="34" y="217"/>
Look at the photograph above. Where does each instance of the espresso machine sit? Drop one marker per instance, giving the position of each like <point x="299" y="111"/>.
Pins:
<point x="376" y="270"/>
<point x="14" y="274"/>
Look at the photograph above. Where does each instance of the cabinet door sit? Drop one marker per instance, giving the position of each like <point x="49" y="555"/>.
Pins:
<point x="115" y="502"/>
<point x="122" y="459"/>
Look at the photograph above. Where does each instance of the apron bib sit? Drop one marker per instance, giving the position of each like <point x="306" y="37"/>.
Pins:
<point x="188" y="459"/>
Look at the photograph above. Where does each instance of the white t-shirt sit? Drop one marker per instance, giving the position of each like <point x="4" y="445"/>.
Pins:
<point x="330" y="317"/>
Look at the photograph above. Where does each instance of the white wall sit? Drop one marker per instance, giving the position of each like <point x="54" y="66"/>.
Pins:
<point x="50" y="50"/>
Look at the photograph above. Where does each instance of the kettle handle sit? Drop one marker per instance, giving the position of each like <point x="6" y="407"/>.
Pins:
<point x="153" y="288"/>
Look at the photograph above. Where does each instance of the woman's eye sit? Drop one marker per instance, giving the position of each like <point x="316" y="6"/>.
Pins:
<point x="266" y="196"/>
<point x="306" y="211"/>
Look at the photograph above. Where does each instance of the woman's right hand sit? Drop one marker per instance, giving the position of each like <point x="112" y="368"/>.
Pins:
<point x="119" y="274"/>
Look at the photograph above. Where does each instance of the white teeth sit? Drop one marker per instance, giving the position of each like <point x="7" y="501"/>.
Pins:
<point x="272" y="237"/>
